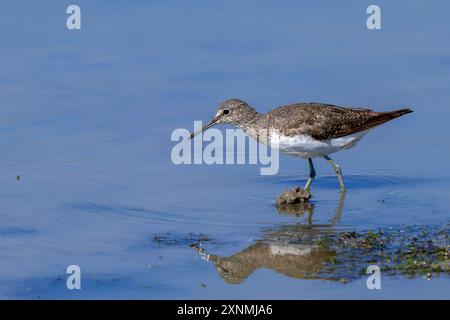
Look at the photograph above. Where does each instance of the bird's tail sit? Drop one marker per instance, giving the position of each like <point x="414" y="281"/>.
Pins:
<point x="398" y="113"/>
<point x="383" y="117"/>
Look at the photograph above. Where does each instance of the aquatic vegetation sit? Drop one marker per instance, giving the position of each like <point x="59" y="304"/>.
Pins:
<point x="302" y="252"/>
<point x="170" y="239"/>
<point x="410" y="251"/>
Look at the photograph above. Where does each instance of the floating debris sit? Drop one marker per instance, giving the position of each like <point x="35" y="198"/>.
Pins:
<point x="293" y="196"/>
<point x="295" y="201"/>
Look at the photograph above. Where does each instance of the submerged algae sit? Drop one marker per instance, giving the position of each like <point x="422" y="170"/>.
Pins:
<point x="297" y="251"/>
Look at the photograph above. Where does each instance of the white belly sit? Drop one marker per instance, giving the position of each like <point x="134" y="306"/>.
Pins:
<point x="307" y="147"/>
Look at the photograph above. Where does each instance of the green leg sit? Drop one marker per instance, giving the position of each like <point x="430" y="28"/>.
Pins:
<point x="338" y="171"/>
<point x="312" y="175"/>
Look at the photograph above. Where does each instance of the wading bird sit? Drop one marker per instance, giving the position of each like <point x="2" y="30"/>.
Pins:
<point x="306" y="130"/>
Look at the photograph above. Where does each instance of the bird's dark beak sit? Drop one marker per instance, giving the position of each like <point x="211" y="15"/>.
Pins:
<point x="205" y="127"/>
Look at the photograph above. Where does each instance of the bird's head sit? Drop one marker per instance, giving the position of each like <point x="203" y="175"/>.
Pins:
<point x="232" y="111"/>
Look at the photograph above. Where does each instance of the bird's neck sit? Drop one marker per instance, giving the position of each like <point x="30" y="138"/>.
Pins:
<point x="247" y="118"/>
<point x="256" y="125"/>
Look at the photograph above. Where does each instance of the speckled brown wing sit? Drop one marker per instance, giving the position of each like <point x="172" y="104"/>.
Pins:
<point x="325" y="121"/>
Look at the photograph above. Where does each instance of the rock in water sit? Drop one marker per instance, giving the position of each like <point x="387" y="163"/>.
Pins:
<point x="293" y="196"/>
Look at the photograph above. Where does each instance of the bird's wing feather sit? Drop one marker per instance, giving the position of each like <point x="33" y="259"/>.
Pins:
<point x="325" y="121"/>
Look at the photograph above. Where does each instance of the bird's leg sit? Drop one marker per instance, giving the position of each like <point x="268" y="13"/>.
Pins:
<point x="338" y="213"/>
<point x="312" y="174"/>
<point x="338" y="171"/>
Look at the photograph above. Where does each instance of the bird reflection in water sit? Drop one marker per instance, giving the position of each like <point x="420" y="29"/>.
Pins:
<point x="294" y="250"/>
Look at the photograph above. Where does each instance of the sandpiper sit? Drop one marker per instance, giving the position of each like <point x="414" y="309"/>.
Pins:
<point x="306" y="130"/>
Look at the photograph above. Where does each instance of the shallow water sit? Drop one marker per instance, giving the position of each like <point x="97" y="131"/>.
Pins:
<point x="86" y="120"/>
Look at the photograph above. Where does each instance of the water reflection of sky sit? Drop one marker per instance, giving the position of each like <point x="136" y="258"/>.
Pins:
<point x="86" y="119"/>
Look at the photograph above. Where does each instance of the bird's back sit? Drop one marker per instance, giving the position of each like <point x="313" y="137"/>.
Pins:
<point x="324" y="121"/>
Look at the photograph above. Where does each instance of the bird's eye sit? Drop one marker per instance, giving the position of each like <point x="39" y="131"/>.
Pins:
<point x="226" y="112"/>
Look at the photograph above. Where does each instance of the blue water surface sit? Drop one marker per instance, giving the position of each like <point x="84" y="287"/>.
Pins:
<point x="86" y="118"/>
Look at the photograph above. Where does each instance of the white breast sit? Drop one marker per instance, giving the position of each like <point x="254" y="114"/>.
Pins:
<point x="278" y="249"/>
<point x="307" y="147"/>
